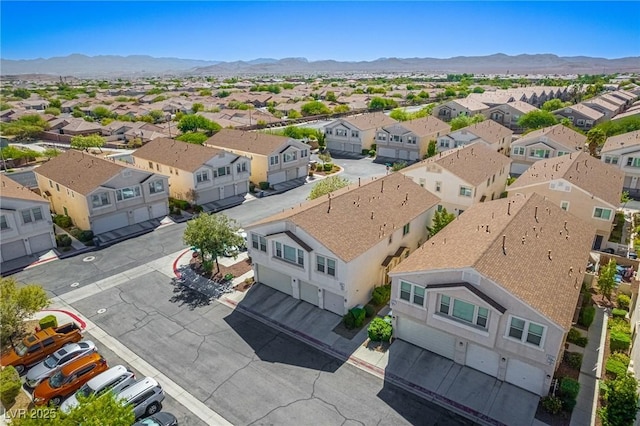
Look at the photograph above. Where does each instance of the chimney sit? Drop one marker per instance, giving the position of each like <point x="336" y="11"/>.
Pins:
<point x="509" y="209"/>
<point x="372" y="215"/>
<point x="329" y="207"/>
<point x="535" y="215"/>
<point x="504" y="248"/>
<point x="565" y="226"/>
<point x="382" y="186"/>
<point x="549" y="255"/>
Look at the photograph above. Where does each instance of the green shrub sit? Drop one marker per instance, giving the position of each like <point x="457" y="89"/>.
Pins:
<point x="252" y="187"/>
<point x="81" y="235"/>
<point x="569" y="389"/>
<point x="369" y="310"/>
<point x="617" y="364"/>
<point x="624" y="301"/>
<point x="381" y="295"/>
<point x="181" y="204"/>
<point x="264" y="185"/>
<point x="177" y="211"/>
<point x="228" y="277"/>
<point x="10" y="385"/>
<point x="328" y="167"/>
<point x="359" y="315"/>
<point x="551" y="404"/>
<point x="574" y="336"/>
<point x="622" y="401"/>
<point x="574" y="359"/>
<point x="349" y="321"/>
<point x="48" y="321"/>
<point x="63" y="221"/>
<point x="379" y="330"/>
<point x="587" y="316"/>
<point x="372" y="153"/>
<point x="618" y="313"/>
<point x="619" y="324"/>
<point x="619" y="341"/>
<point x="365" y="152"/>
<point x="63" y="240"/>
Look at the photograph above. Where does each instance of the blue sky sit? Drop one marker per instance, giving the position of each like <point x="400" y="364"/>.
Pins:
<point x="243" y="30"/>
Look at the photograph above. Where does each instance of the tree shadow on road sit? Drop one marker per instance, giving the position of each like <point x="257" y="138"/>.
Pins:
<point x="193" y="290"/>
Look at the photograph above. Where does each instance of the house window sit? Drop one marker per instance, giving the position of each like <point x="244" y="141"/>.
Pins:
<point x="303" y="153"/>
<point x="3" y="222"/>
<point x="518" y="150"/>
<point x="157" y="166"/>
<point x="465" y="192"/>
<point x="289" y="157"/>
<point x="412" y="293"/>
<point x="539" y="153"/>
<point x="564" y="205"/>
<point x="633" y="162"/>
<point x="328" y="131"/>
<point x="241" y="167"/>
<point x="405" y="229"/>
<point x="396" y="138"/>
<point x="151" y="165"/>
<point x="128" y="193"/>
<point x="354" y="134"/>
<point x="411" y="140"/>
<point x="341" y="132"/>
<point x="423" y="182"/>
<point x="382" y="136"/>
<point x="463" y="311"/>
<point x="50" y="184"/>
<point x="274" y="160"/>
<point x="259" y="242"/>
<point x="526" y="331"/>
<point x="611" y="159"/>
<point x="326" y="265"/>
<point x="601" y="213"/>
<point x="289" y="254"/>
<point x="202" y="176"/>
<point x="31" y="215"/>
<point x="57" y="187"/>
<point x="99" y="200"/>
<point x="444" y="143"/>
<point x="438" y="186"/>
<point x="561" y="153"/>
<point x="579" y="122"/>
<point x="488" y="182"/>
<point x="222" y="171"/>
<point x="156" y="187"/>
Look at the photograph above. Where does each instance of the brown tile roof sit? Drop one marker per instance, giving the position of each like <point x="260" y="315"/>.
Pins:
<point x="585" y="110"/>
<point x="471" y="104"/>
<point x="172" y="153"/>
<point x="530" y="227"/>
<point x="253" y="142"/>
<point x="490" y="131"/>
<point x="473" y="163"/>
<point x="620" y="141"/>
<point x="79" y="171"/>
<point x="521" y="106"/>
<point x="424" y="126"/>
<point x="370" y="120"/>
<point x="358" y="217"/>
<point x="79" y="125"/>
<point x="9" y="188"/>
<point x="559" y="133"/>
<point x="581" y="169"/>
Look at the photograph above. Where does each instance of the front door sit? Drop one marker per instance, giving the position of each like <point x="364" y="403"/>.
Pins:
<point x="597" y="242"/>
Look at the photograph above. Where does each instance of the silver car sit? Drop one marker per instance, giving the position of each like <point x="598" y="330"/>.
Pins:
<point x="57" y="360"/>
<point x="145" y="396"/>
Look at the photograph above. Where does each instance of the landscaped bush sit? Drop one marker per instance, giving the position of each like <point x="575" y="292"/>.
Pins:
<point x="372" y="153"/>
<point x="619" y="341"/>
<point x="263" y="185"/>
<point x="369" y="310"/>
<point x="10" y="385"/>
<point x="624" y="301"/>
<point x="379" y="330"/>
<point x="365" y="152"/>
<point x="617" y="363"/>
<point x="552" y="404"/>
<point x="569" y="389"/>
<point x="349" y="321"/>
<point x="576" y="338"/>
<point x="621" y="397"/>
<point x="618" y="313"/>
<point x="48" y="321"/>
<point x="252" y="187"/>
<point x="63" y="221"/>
<point x="587" y="316"/>
<point x="63" y="240"/>
<point x="228" y="277"/>
<point x="179" y="204"/>
<point x="81" y="235"/>
<point x="619" y="324"/>
<point x="359" y="315"/>
<point x="381" y="295"/>
<point x="574" y="359"/>
<point x="328" y="167"/>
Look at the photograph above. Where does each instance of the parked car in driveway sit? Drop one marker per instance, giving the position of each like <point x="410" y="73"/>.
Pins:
<point x="159" y="419"/>
<point x="114" y="379"/>
<point x="57" y="360"/>
<point x="145" y="396"/>
<point x="69" y="379"/>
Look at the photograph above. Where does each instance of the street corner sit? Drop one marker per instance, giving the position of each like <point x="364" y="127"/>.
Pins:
<point x="183" y="260"/>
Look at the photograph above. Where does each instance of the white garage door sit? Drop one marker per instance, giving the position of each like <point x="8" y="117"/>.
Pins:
<point x="292" y="174"/>
<point x="335" y="146"/>
<point x="525" y="376"/>
<point x="108" y="223"/>
<point x="159" y="210"/>
<point x="229" y="191"/>
<point x="309" y="293"/>
<point x="13" y="250"/>
<point x="140" y="214"/>
<point x="277" y="177"/>
<point x="403" y="154"/>
<point x="386" y="152"/>
<point x="275" y="279"/>
<point x="426" y="337"/>
<point x="333" y="302"/>
<point x="482" y="359"/>
<point x="243" y="187"/>
<point x="40" y="243"/>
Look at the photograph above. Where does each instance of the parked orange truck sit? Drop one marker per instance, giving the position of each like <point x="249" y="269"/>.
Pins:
<point x="35" y="347"/>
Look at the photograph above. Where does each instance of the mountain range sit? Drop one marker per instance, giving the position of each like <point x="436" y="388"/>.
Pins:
<point x="78" y="65"/>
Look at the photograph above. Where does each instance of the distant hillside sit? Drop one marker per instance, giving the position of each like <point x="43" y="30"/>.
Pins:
<point x="114" y="66"/>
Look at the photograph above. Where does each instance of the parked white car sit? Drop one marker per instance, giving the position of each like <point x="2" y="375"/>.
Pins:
<point x="114" y="379"/>
<point x="57" y="360"/>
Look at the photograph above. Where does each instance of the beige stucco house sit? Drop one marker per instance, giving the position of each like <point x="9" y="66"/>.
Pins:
<point x="581" y="116"/>
<point x="463" y="176"/>
<point x="457" y="107"/>
<point x="355" y="133"/>
<point x="547" y="142"/>
<point x="496" y="289"/>
<point x="580" y="184"/>
<point x="102" y="195"/>
<point x="509" y="113"/>
<point x="26" y="227"/>
<point x="623" y="152"/>
<point x="274" y="159"/>
<point x="213" y="174"/>
<point x="409" y="140"/>
<point x="333" y="250"/>
<point x="488" y="132"/>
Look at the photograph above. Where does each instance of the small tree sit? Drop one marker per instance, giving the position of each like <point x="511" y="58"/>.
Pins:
<point x="18" y="303"/>
<point x="86" y="142"/>
<point x="325" y="186"/>
<point x="595" y="138"/>
<point x="440" y="219"/>
<point x="10" y="385"/>
<point x="51" y="152"/>
<point x="431" y="149"/>
<point x="554" y="104"/>
<point x="537" y="120"/>
<point x="606" y="279"/>
<point x="324" y="157"/>
<point x="622" y="401"/>
<point x="211" y="235"/>
<point x="459" y="122"/>
<point x="192" y="196"/>
<point x="624" y="198"/>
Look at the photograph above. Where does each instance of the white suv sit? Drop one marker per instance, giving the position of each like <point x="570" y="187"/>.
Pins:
<point x="145" y="396"/>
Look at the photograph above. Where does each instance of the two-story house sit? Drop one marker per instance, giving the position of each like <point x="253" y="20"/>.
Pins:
<point x="579" y="184"/>
<point x="547" y="142"/>
<point x="580" y="115"/>
<point x="509" y="113"/>
<point x="496" y="290"/>
<point x="102" y="195"/>
<point x="213" y="174"/>
<point x="601" y="105"/>
<point x="333" y="250"/>
<point x="26" y="227"/>
<point x="463" y="176"/>
<point x="274" y="159"/>
<point x="623" y="152"/>
<point x="409" y="140"/>
<point x="355" y="133"/>
<point x="457" y="107"/>
<point x="488" y="132"/>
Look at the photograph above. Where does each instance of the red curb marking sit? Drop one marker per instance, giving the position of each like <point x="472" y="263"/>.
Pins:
<point x="43" y="260"/>
<point x="83" y="324"/>
<point x="175" y="263"/>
